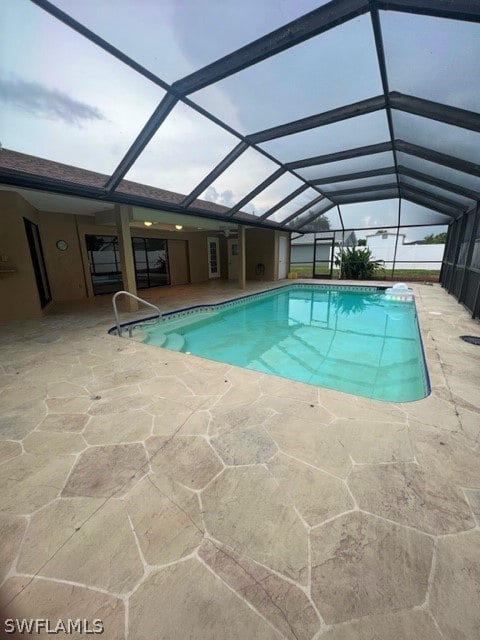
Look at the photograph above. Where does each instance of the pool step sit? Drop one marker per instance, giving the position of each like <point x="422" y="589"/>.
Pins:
<point x="174" y="342"/>
<point x="158" y="339"/>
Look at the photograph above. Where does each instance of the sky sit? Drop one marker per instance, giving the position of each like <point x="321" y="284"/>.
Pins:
<point x="64" y="99"/>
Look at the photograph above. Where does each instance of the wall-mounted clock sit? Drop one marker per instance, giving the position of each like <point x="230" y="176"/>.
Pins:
<point x="62" y="245"/>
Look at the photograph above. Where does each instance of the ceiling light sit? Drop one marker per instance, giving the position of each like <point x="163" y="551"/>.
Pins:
<point x="147" y="223"/>
<point x="178" y="227"/>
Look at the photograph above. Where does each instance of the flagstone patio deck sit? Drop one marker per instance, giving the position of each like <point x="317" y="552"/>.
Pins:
<point x="174" y="497"/>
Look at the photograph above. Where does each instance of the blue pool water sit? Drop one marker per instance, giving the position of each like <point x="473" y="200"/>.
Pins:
<point x="353" y="341"/>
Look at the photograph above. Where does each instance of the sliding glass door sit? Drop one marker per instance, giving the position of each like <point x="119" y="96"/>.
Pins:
<point x="150" y="257"/>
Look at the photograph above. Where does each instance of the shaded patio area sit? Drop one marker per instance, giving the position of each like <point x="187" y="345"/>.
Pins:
<point x="174" y="497"/>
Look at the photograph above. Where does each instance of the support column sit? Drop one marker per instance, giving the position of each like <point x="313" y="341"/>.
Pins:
<point x="122" y="219"/>
<point x="242" y="262"/>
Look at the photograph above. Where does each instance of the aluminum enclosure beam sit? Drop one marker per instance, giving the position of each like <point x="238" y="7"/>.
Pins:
<point x="394" y="193"/>
<point x="340" y="155"/>
<point x="285" y="201"/>
<point x="263" y="185"/>
<point x="319" y="120"/>
<point x="435" y="111"/>
<point x="100" y="42"/>
<point x="213" y="175"/>
<point x="304" y="208"/>
<point x="318" y="21"/>
<point x="424" y="202"/>
<point x="434" y="198"/>
<point x="437" y="157"/>
<point x="437" y="182"/>
<point x="467" y="10"/>
<point x="314" y="217"/>
<point x="344" y="177"/>
<point x="399" y="101"/>
<point x="144" y="137"/>
<point x="332" y="195"/>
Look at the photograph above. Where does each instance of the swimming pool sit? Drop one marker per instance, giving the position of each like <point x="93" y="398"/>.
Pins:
<point x="345" y="338"/>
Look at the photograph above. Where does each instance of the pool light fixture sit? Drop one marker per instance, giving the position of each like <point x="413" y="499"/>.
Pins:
<point x="178" y="227"/>
<point x="147" y="223"/>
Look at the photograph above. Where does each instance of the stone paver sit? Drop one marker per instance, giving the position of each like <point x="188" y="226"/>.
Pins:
<point x="53" y="443"/>
<point x="112" y="405"/>
<point x="450" y="455"/>
<point x="74" y="422"/>
<point x="187" y="459"/>
<point x="74" y="404"/>
<point x="311" y="442"/>
<point x="131" y="426"/>
<point x="165" y="518"/>
<point x="17" y="422"/>
<point x="100" y="553"/>
<point x="282" y="603"/>
<point x="404" y="625"/>
<point x="473" y="497"/>
<point x="363" y="565"/>
<point x="113" y="483"/>
<point x="30" y="481"/>
<point x="40" y="599"/>
<point x="245" y="509"/>
<point x="237" y="418"/>
<point x="456" y="586"/>
<point x="103" y="471"/>
<point x="12" y="529"/>
<point x="317" y="495"/>
<point x="374" y="442"/>
<point x="409" y="495"/>
<point x="245" y="447"/>
<point x="9" y="449"/>
<point x="199" y="606"/>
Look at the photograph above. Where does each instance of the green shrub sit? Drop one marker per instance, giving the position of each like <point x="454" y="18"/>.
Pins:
<point x="356" y="263"/>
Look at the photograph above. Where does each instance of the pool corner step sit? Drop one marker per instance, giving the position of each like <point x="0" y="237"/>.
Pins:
<point x="174" y="342"/>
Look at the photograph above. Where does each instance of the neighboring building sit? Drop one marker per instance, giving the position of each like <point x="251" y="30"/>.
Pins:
<point x="384" y="239"/>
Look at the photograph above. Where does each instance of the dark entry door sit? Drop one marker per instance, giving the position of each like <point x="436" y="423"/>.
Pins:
<point x="323" y="255"/>
<point x="38" y="261"/>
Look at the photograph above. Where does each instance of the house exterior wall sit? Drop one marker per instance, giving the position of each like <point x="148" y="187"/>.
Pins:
<point x="69" y="271"/>
<point x="18" y="290"/>
<point x="178" y="262"/>
<point x="65" y="268"/>
<point x="260" y="249"/>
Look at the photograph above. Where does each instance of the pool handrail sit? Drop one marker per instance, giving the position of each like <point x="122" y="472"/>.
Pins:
<point x="130" y="295"/>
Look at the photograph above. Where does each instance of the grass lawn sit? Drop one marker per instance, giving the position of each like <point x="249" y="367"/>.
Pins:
<point x="414" y="275"/>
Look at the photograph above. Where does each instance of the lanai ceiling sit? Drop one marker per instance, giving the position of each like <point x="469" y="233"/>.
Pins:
<point x="277" y="113"/>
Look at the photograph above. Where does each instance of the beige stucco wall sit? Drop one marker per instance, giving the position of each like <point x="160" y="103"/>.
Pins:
<point x="198" y="257"/>
<point x="260" y="248"/>
<point x="178" y="262"/>
<point x="64" y="268"/>
<point x="18" y="291"/>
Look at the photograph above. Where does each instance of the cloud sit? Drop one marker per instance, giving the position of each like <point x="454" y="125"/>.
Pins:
<point x="226" y="198"/>
<point x="46" y="103"/>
